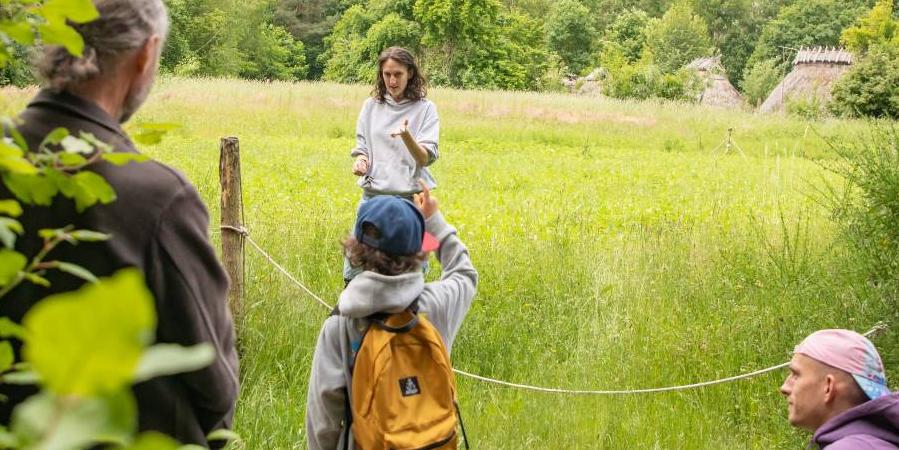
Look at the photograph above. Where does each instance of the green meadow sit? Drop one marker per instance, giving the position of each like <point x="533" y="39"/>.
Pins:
<point x="619" y="247"/>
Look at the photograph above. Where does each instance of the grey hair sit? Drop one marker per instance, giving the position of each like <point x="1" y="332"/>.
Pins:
<point x="123" y="25"/>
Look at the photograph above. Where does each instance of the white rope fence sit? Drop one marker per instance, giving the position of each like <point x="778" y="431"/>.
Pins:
<point x="246" y="234"/>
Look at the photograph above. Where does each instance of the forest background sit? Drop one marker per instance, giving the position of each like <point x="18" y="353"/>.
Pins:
<point x="639" y="47"/>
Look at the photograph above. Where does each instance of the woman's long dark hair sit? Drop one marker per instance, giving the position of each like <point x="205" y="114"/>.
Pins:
<point x="416" y="89"/>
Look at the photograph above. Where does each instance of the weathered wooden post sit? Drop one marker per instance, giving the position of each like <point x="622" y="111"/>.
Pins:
<point x="232" y="221"/>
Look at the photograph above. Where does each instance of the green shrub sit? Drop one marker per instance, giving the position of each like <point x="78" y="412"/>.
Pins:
<point x="869" y="208"/>
<point x="811" y="108"/>
<point x="760" y="80"/>
<point x="871" y="88"/>
<point x="679" y="37"/>
<point x="570" y="34"/>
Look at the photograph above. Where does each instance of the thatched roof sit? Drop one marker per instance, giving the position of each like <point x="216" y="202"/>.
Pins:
<point x="720" y="93"/>
<point x="707" y="64"/>
<point x="830" y="55"/>
<point x="718" y="90"/>
<point x="808" y="81"/>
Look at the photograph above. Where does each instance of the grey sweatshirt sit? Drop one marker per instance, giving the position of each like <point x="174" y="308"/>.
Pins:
<point x="392" y="169"/>
<point x="446" y="302"/>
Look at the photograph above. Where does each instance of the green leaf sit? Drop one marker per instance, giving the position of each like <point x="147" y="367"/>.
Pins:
<point x="77" y="271"/>
<point x="11" y="208"/>
<point x="73" y="422"/>
<point x="49" y="233"/>
<point x="37" y="279"/>
<point x="91" y="340"/>
<point x="120" y="159"/>
<point x="54" y="137"/>
<point x="72" y="160"/>
<point x="11" y="263"/>
<point x="90" y="138"/>
<point x="9" y="125"/>
<point x="7" y="357"/>
<point x="169" y="359"/>
<point x="71" y="144"/>
<point x="23" y="377"/>
<point x="9" y="228"/>
<point x="153" y="441"/>
<point x="89" y="236"/>
<point x="18" y="31"/>
<point x="56" y="32"/>
<point x="8" y="148"/>
<point x="31" y="189"/>
<point x="9" y="329"/>
<point x="17" y="164"/>
<point x="78" y="11"/>
<point x="87" y="189"/>
<point x="8" y="440"/>
<point x="223" y="435"/>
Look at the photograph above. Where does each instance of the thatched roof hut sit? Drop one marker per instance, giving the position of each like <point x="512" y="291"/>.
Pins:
<point x="718" y="91"/>
<point x="815" y="70"/>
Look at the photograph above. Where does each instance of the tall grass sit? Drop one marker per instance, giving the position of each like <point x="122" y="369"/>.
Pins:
<point x="616" y="251"/>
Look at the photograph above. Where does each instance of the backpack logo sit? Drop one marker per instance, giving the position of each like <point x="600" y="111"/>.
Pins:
<point x="409" y="386"/>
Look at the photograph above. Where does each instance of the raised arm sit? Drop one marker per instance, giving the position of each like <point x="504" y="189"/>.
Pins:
<point x="447" y="301"/>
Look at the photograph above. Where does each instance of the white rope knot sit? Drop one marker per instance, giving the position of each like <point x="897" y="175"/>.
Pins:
<point x="241" y="230"/>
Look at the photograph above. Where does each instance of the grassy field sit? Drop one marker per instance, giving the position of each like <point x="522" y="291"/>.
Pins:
<point x="617" y="249"/>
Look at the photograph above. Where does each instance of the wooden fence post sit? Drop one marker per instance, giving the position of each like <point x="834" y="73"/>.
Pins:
<point x="232" y="216"/>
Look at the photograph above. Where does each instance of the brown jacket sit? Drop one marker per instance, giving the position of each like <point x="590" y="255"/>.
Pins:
<point x="159" y="225"/>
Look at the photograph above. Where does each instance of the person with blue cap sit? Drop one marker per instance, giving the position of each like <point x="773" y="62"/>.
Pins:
<point x="837" y="389"/>
<point x="391" y="238"/>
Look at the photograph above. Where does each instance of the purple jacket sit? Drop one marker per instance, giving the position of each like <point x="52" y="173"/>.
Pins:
<point x="873" y="425"/>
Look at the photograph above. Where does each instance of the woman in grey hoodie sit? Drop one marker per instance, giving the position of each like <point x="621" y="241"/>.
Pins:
<point x="396" y="134"/>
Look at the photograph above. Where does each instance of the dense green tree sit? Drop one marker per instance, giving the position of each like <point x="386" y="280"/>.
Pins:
<point x="804" y="23"/>
<point x="871" y="88"/>
<point x="643" y="79"/>
<point x="310" y="21"/>
<point x="760" y="80"/>
<point x="628" y="34"/>
<point x="344" y="58"/>
<point x="514" y="57"/>
<point x="877" y="27"/>
<point x="455" y="32"/>
<point x="276" y="55"/>
<point x="203" y="38"/>
<point x="733" y="28"/>
<point x="570" y="34"/>
<point x="677" y="38"/>
<point x="606" y="12"/>
<point x="17" y="71"/>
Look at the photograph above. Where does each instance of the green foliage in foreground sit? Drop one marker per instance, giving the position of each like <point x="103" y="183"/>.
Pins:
<point x="616" y="250"/>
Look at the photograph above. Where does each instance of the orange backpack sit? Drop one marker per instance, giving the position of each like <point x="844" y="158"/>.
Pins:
<point x="403" y="390"/>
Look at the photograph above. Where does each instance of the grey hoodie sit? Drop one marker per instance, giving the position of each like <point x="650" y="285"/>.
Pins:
<point x="873" y="425"/>
<point x="392" y="169"/>
<point x="446" y="302"/>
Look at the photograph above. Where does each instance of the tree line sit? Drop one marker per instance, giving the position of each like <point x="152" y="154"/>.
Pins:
<point x="641" y="46"/>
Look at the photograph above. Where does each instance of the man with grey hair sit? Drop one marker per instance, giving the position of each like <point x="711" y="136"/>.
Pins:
<point x="158" y="222"/>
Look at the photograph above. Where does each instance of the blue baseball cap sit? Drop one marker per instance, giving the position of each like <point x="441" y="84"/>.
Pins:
<point x="400" y="225"/>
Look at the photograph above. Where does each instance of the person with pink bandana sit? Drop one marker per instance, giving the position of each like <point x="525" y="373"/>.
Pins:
<point x="837" y="390"/>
